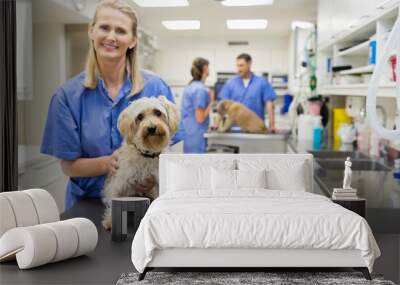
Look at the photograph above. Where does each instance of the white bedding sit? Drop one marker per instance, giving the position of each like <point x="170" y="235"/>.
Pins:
<point x="252" y="218"/>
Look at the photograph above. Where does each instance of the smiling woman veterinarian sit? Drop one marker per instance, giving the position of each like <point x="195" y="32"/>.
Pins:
<point x="81" y="127"/>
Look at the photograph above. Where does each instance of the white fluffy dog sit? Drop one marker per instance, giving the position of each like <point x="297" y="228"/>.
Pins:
<point x="147" y="125"/>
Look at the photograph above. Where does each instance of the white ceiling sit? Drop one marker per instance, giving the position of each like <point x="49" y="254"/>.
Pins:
<point x="211" y="13"/>
<point x="213" y="17"/>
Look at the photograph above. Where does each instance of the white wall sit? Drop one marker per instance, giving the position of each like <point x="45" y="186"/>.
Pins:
<point x="37" y="170"/>
<point x="48" y="74"/>
<point x="175" y="56"/>
<point x="77" y="46"/>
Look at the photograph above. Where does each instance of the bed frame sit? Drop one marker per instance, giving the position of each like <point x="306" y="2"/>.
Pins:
<point x="245" y="259"/>
<point x="248" y="259"/>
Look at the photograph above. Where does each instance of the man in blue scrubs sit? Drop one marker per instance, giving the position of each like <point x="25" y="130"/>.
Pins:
<point x="251" y="90"/>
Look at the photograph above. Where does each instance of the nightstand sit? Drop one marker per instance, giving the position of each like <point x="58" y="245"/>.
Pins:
<point x="127" y="212"/>
<point x="358" y="205"/>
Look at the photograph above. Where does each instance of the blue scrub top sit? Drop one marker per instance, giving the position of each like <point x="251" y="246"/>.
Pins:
<point x="254" y="96"/>
<point x="82" y="123"/>
<point x="195" y="96"/>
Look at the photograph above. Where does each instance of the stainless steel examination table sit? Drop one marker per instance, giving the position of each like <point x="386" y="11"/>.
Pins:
<point x="250" y="143"/>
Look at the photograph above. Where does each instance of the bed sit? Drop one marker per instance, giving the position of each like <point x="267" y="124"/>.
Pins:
<point x="246" y="211"/>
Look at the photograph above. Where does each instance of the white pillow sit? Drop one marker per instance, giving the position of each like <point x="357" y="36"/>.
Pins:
<point x="182" y="177"/>
<point x="223" y="179"/>
<point x="251" y="178"/>
<point x="227" y="179"/>
<point x="194" y="174"/>
<point x="290" y="180"/>
<point x="282" y="174"/>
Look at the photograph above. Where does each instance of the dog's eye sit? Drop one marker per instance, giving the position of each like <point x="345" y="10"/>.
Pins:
<point x="140" y="117"/>
<point x="157" y="113"/>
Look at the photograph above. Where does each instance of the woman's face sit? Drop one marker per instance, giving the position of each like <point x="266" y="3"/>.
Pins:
<point x="206" y="71"/>
<point x="112" y="34"/>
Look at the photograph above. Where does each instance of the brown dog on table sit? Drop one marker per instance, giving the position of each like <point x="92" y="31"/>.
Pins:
<point x="233" y="113"/>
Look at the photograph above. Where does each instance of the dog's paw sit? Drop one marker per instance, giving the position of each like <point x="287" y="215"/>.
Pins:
<point x="107" y="223"/>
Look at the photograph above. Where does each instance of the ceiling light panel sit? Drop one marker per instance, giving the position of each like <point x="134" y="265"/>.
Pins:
<point x="182" y="25"/>
<point x="161" y="3"/>
<point x="237" y="3"/>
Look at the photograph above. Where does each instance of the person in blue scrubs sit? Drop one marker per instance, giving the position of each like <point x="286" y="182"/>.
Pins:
<point x="81" y="128"/>
<point x="196" y="105"/>
<point x="251" y="90"/>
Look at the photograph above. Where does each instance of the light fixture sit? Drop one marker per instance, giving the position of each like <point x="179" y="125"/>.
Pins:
<point x="161" y="3"/>
<point x="236" y="3"/>
<point x="182" y="25"/>
<point x="250" y="24"/>
<point x="302" y="25"/>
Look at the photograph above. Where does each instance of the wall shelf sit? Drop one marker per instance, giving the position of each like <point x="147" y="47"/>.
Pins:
<point x="387" y="90"/>
<point x="358" y="70"/>
<point x="357" y="50"/>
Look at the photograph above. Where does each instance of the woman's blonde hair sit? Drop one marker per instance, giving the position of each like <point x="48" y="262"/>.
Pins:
<point x="132" y="55"/>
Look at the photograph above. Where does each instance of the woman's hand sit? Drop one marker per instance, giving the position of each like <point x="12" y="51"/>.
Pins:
<point x="211" y="94"/>
<point x="146" y="186"/>
<point x="89" y="167"/>
<point x="273" y="130"/>
<point x="111" y="163"/>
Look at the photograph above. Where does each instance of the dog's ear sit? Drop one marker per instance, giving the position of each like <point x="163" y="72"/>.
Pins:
<point x="222" y="107"/>
<point x="173" y="114"/>
<point x="126" y="124"/>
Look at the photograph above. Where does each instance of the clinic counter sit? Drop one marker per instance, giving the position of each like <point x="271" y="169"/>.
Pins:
<point x="102" y="266"/>
<point x="379" y="188"/>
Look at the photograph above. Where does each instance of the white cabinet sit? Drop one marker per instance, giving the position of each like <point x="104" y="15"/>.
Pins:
<point x="44" y="173"/>
<point x="24" y="49"/>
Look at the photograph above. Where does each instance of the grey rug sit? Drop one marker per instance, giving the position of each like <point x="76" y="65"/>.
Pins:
<point x="243" y="278"/>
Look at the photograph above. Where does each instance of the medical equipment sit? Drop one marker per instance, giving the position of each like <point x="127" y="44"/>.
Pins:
<point x="310" y="62"/>
<point x="306" y="124"/>
<point x="392" y="46"/>
<point x="340" y="117"/>
<point x="306" y="72"/>
<point x="317" y="135"/>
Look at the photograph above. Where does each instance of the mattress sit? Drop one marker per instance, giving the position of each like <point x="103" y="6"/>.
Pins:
<point x="251" y="219"/>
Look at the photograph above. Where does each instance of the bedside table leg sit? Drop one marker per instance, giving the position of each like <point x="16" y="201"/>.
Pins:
<point x="143" y="274"/>
<point x="116" y="213"/>
<point x="364" y="271"/>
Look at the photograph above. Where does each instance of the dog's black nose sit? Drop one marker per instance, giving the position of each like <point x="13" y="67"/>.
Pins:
<point x="151" y="130"/>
